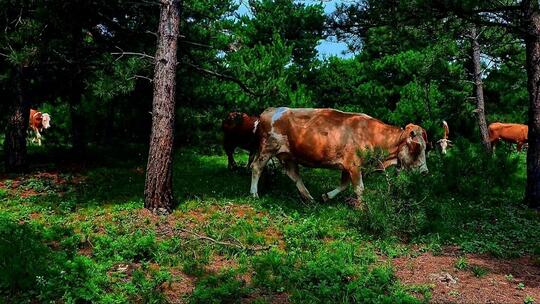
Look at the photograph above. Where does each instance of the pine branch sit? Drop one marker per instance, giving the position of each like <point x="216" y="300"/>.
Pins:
<point x="122" y="53"/>
<point x="224" y="77"/>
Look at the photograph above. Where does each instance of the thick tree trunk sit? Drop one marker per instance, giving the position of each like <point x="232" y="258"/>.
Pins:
<point x="15" y="141"/>
<point x="479" y="89"/>
<point x="158" y="195"/>
<point x="532" y="43"/>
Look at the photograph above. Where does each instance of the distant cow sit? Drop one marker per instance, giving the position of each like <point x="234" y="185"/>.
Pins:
<point x="239" y="131"/>
<point x="327" y="138"/>
<point x="509" y="132"/>
<point x="444" y="142"/>
<point x="37" y="122"/>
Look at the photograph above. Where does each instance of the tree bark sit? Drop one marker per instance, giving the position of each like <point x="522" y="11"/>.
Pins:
<point x="158" y="194"/>
<point x="15" y="141"/>
<point x="479" y="89"/>
<point x="532" y="44"/>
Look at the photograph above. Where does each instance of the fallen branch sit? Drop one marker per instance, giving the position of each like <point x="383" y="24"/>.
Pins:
<point x="228" y="244"/>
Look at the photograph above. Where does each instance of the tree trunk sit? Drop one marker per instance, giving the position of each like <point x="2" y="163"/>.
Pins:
<point x="15" y="141"/>
<point x="479" y="89"/>
<point x="532" y="43"/>
<point x="158" y="195"/>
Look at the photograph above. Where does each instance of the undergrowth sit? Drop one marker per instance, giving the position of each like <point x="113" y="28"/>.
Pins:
<point x="91" y="240"/>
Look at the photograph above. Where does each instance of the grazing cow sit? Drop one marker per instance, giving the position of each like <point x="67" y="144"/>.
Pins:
<point x="509" y="132"/>
<point x="445" y="142"/>
<point x="239" y="131"/>
<point x="38" y="121"/>
<point x="327" y="138"/>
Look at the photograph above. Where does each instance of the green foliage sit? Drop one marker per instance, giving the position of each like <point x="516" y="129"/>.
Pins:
<point x="220" y="288"/>
<point x="80" y="240"/>
<point x="461" y="263"/>
<point x="479" y="271"/>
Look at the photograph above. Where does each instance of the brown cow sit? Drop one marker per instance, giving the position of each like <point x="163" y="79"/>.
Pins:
<point x="239" y="131"/>
<point x="328" y="138"/>
<point x="509" y="132"/>
<point x="444" y="142"/>
<point x="37" y="122"/>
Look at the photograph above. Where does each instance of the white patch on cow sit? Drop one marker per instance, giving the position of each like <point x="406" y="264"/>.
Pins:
<point x="255" y="125"/>
<point x="46" y="120"/>
<point x="443" y="143"/>
<point x="279" y="112"/>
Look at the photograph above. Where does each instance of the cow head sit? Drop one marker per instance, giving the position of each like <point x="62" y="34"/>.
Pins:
<point x="412" y="150"/>
<point x="444" y="144"/>
<point x="46" y="120"/>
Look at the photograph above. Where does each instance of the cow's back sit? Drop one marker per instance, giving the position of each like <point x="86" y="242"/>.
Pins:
<point x="509" y="132"/>
<point x="314" y="137"/>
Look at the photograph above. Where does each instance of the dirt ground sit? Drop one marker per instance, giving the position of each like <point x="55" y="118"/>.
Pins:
<point x="500" y="281"/>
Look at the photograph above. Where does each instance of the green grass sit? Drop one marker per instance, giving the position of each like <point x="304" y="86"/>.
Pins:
<point x="72" y="241"/>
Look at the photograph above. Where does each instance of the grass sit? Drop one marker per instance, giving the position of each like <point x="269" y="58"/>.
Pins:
<point x="86" y="237"/>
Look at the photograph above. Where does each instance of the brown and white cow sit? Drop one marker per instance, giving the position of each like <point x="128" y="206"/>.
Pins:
<point x="327" y="138"/>
<point x="37" y="122"/>
<point x="509" y="132"/>
<point x="239" y="131"/>
<point x="444" y="142"/>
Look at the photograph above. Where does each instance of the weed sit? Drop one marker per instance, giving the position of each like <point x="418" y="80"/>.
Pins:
<point x="461" y="263"/>
<point x="479" y="271"/>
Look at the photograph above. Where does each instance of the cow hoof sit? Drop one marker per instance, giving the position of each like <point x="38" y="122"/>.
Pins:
<point x="325" y="197"/>
<point x="255" y="195"/>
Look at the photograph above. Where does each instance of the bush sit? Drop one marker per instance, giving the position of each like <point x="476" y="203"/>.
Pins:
<point x="338" y="272"/>
<point x="409" y="204"/>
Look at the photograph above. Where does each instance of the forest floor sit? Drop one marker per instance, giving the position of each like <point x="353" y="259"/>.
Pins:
<point x="79" y="232"/>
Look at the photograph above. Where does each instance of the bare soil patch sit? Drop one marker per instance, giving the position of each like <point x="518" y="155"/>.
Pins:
<point x="504" y="281"/>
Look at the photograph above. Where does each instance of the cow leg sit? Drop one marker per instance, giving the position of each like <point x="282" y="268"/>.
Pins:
<point x="291" y="168"/>
<point x="358" y="185"/>
<point x="256" y="169"/>
<point x="345" y="179"/>
<point x="251" y="157"/>
<point x="519" y="146"/>
<point x="494" y="143"/>
<point x="38" y="137"/>
<point x="229" y="150"/>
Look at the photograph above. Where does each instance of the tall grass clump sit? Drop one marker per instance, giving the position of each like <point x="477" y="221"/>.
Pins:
<point x="408" y="204"/>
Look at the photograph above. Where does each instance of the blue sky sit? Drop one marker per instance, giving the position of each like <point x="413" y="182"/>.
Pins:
<point x="326" y="48"/>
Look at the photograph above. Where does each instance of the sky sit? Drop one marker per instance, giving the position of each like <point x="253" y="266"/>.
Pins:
<point x="326" y="48"/>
